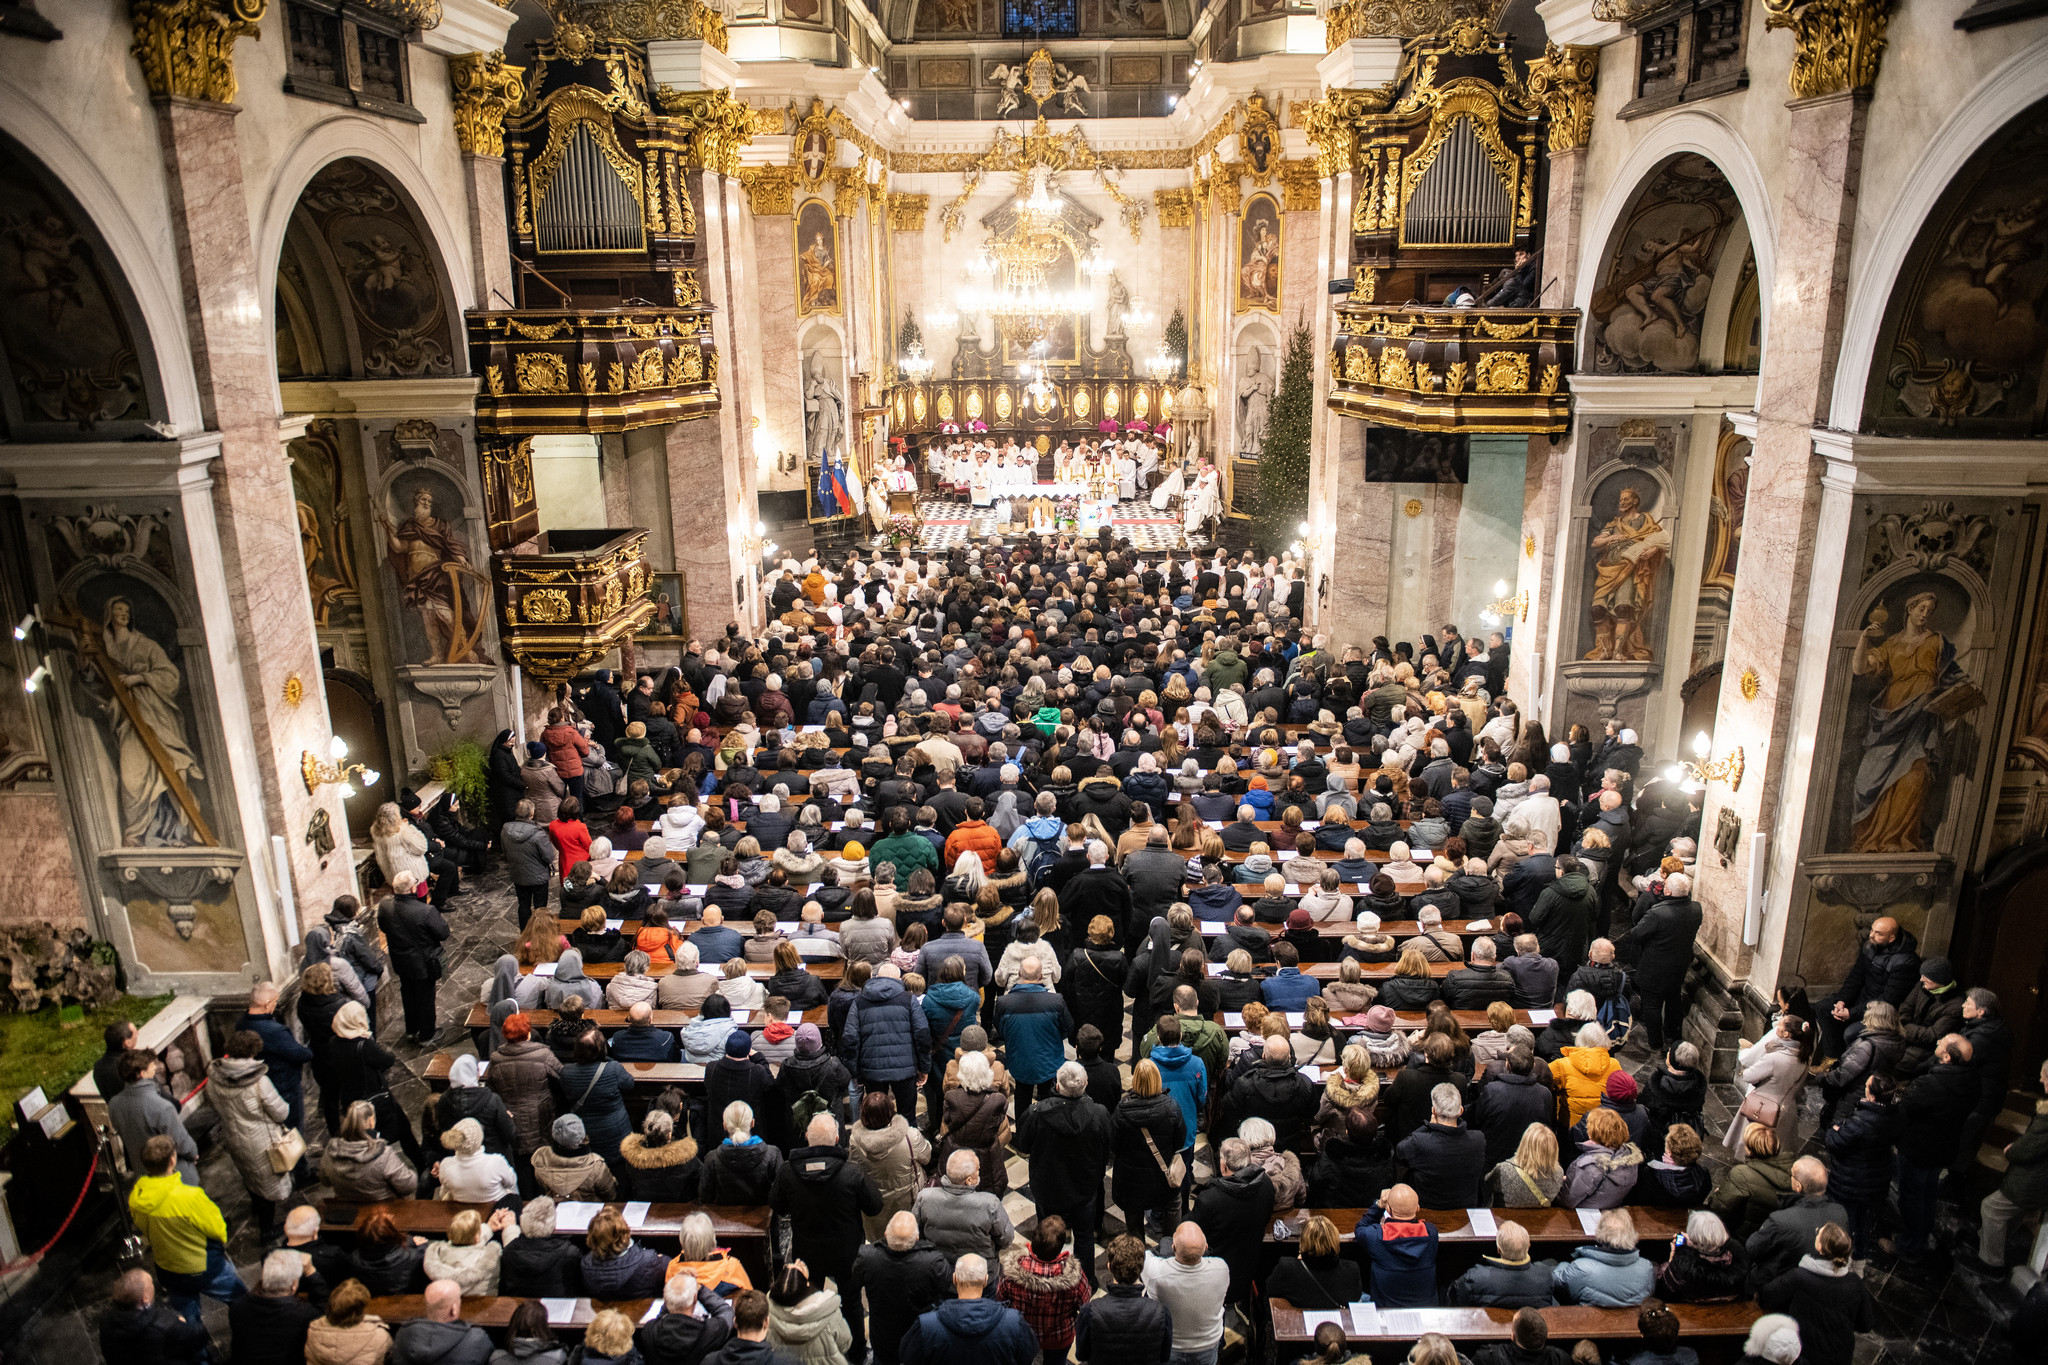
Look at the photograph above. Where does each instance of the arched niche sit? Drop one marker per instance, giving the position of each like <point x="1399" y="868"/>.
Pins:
<point x="362" y="291"/>
<point x="1670" y="274"/>
<point x="1963" y="347"/>
<point x="76" y="359"/>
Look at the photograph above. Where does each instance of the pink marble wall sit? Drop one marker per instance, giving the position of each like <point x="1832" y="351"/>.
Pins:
<point x="1543" y="519"/>
<point x="1767" y="617"/>
<point x="1563" y="227"/>
<point x="1447" y="502"/>
<point x="40" y="881"/>
<point x="261" y="567"/>
<point x="490" y="252"/>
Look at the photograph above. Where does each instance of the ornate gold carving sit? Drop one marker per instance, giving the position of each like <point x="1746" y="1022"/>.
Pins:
<point x="1506" y="333"/>
<point x="294" y="690"/>
<point x="1300" y="189"/>
<point x="494" y="380"/>
<point x="541" y="372"/>
<point x="648" y="370"/>
<point x="1225" y="192"/>
<point x="1395" y="372"/>
<point x="1839" y="42"/>
<point x="1365" y="284"/>
<point x="1503" y="372"/>
<point x="571" y="108"/>
<point x="1455" y="376"/>
<point x="687" y="291"/>
<point x="546" y="606"/>
<point x="1332" y="124"/>
<point x="1528" y="547"/>
<point x="1399" y="19"/>
<point x="1176" y="208"/>
<point x="1412" y="507"/>
<point x="1639" y="429"/>
<point x="712" y="126"/>
<point x="846" y="199"/>
<point x="187" y="47"/>
<point x="640" y="20"/>
<point x="1749" y="684"/>
<point x="907" y="212"/>
<point x="1038" y="146"/>
<point x="1563" y="78"/>
<point x="586" y="376"/>
<point x="770" y="122"/>
<point x="536" y="332"/>
<point x="485" y="86"/>
<point x="615" y="378"/>
<point x="1551" y="374"/>
<point x="770" y="189"/>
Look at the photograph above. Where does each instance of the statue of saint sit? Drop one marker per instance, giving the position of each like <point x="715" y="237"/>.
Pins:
<point x="1255" y="401"/>
<point x="151" y="816"/>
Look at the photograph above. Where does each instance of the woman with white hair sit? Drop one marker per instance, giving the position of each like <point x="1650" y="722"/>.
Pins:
<point x="469" y="1255"/>
<point x="965" y="883"/>
<point x="1708" y="1267"/>
<point x="602" y="859"/>
<point x="472" y="1175"/>
<point x="1773" y="1340"/>
<point x="975" y="1119"/>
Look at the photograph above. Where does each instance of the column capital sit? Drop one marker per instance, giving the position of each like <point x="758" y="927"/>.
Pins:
<point x="1331" y="124"/>
<point x="715" y="126"/>
<point x="485" y="88"/>
<point x="1563" y="78"/>
<point x="187" y="47"/>
<point x="1839" y="42"/>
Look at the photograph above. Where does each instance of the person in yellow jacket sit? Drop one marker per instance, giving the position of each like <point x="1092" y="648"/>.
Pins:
<point x="187" y="1235"/>
<point x="1581" y="1072"/>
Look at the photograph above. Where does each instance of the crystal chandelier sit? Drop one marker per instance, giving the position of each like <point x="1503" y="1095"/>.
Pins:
<point x="915" y="365"/>
<point x="1161" y="365"/>
<point x="1008" y="276"/>
<point x="1138" y="315"/>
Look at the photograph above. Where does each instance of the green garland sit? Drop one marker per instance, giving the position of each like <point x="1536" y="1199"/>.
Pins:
<point x="1177" y="339"/>
<point x="1283" y="460"/>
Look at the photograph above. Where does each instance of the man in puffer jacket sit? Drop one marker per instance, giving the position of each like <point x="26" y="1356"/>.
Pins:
<point x="885" y="1041"/>
<point x="904" y="1277"/>
<point x="438" y="1336"/>
<point x="1885" y="969"/>
<point x="1508" y="1278"/>
<point x="969" y="1329"/>
<point x="960" y="1218"/>
<point x="1124" y="1327"/>
<point x="1034" y="1024"/>
<point x="1609" y="1274"/>
<point x="825" y="1196"/>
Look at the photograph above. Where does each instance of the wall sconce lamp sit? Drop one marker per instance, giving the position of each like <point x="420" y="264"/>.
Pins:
<point x="1697" y="774"/>
<point x="318" y="773"/>
<point x="757" y="545"/>
<point x="1507" y="608"/>
<point x="1307" y="542"/>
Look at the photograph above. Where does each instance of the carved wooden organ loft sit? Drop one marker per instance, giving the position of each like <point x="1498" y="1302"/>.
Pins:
<point x="609" y="331"/>
<point x="1449" y="172"/>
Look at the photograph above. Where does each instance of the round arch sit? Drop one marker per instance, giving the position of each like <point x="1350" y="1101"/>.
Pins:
<point x="343" y="138"/>
<point x="153" y="281"/>
<point x="2015" y="85"/>
<point x="1705" y="135"/>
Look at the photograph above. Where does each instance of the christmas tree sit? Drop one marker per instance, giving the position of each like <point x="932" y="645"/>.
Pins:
<point x="1177" y="339"/>
<point x="909" y="335"/>
<point x="1283" y="460"/>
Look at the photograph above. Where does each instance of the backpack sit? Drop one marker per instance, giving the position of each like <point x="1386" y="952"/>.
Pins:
<point x="1040" y="862"/>
<point x="598" y="779"/>
<point x="808" y="1106"/>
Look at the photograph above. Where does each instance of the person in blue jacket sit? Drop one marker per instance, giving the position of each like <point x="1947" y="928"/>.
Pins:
<point x="1034" y="1024"/>
<point x="886" y="1040"/>
<point x="969" y="1329"/>
<point x="1287" y="990"/>
<point x="1399" y="1247"/>
<point x="1183" y="1076"/>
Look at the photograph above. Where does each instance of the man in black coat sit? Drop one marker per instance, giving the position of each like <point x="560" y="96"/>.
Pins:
<point x="904" y="1278"/>
<point x="1510" y="1100"/>
<point x="1932" y="1010"/>
<point x="140" y="1329"/>
<point x="692" y="1324"/>
<point x="1933" y="1114"/>
<point x="1443" y="1159"/>
<point x="825" y="1196"/>
<point x="1123" y="1327"/>
<point x="1277" y="1092"/>
<point x="1525" y="881"/>
<point x="1886" y="968"/>
<point x="1660" y="949"/>
<point x="1234" y="1211"/>
<point x="1155" y="874"/>
<point x="1097" y="889"/>
<point x="106" y="1072"/>
<point x="1241" y="834"/>
<point x="414" y="932"/>
<point x="284" y="1056"/>
<point x="1067" y="1139"/>
<point x="1991" y="1052"/>
<point x="1475" y="987"/>
<point x="269" y="1323"/>
<point x="1508" y="1278"/>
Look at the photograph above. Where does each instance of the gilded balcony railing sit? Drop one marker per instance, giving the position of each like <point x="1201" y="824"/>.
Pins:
<point x="1454" y="370"/>
<point x="567" y="604"/>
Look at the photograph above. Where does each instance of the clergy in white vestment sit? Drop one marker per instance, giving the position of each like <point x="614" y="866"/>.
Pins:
<point x="1126" y="475"/>
<point x="1148" y="460"/>
<point x="1170" y="487"/>
<point x="1203" y="501"/>
<point x="981" y="485"/>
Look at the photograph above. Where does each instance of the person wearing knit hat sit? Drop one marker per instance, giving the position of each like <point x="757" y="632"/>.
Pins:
<point x="1937" y="972"/>
<point x="566" y="1167"/>
<point x="1930" y="1011"/>
<point x="1618" y="1095"/>
<point x="739" y="1044"/>
<point x="809" y="1041"/>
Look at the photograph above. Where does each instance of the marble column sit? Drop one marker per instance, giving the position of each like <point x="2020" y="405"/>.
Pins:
<point x="1563" y="227"/>
<point x="273" y="636"/>
<point x="1536" y="565"/>
<point x="490" y="249"/>
<point x="712" y="504"/>
<point x="1768" y="616"/>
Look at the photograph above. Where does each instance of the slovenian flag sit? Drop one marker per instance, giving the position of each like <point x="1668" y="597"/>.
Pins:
<point x="840" y="496"/>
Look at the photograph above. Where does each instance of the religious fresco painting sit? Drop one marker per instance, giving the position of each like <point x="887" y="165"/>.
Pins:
<point x="1258" y="255"/>
<point x="1966" y="331"/>
<point x="1647" y="312"/>
<point x="1731" y="499"/>
<point x="324" y="540"/>
<point x="442" y="594"/>
<point x="817" y="260"/>
<point x="393" y="286"/>
<point x="72" y="355"/>
<point x="1627" y="569"/>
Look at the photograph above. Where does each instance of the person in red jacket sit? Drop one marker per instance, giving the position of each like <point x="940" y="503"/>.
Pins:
<point x="975" y="835"/>
<point x="566" y="750"/>
<point x="571" y="835"/>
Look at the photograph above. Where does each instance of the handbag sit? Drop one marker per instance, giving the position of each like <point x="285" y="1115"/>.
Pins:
<point x="286" y="1151"/>
<point x="1758" y="1107"/>
<point x="1177" y="1173"/>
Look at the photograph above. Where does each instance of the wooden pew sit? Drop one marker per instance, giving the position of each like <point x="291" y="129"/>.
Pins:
<point x="610" y="1020"/>
<point x="743" y="1228"/>
<point x="689" y="1075"/>
<point x="1555" y="1226"/>
<point x="1716" y="1331"/>
<point x="1473" y="1021"/>
<point x="495" y="1313"/>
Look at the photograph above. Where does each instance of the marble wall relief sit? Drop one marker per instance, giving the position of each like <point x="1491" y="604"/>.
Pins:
<point x="1648" y="309"/>
<point x="1627" y="570"/>
<point x="77" y="359"/>
<point x="1258" y="255"/>
<point x="1965" y="335"/>
<point x="394" y="285"/>
<point x="817" y="259"/>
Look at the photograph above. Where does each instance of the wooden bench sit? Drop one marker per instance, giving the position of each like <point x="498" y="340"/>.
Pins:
<point x="1716" y="1331"/>
<point x="495" y="1313"/>
<point x="1557" y="1226"/>
<point x="821" y="968"/>
<point x="1473" y="1021"/>
<point x="611" y="1020"/>
<point x="689" y="1075"/>
<point x="741" y="1227"/>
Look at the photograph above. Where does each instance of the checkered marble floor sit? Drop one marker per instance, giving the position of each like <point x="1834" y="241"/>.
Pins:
<point x="955" y="521"/>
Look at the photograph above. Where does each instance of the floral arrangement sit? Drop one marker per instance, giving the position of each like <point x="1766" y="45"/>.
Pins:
<point x="977" y="427"/>
<point x="903" y="526"/>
